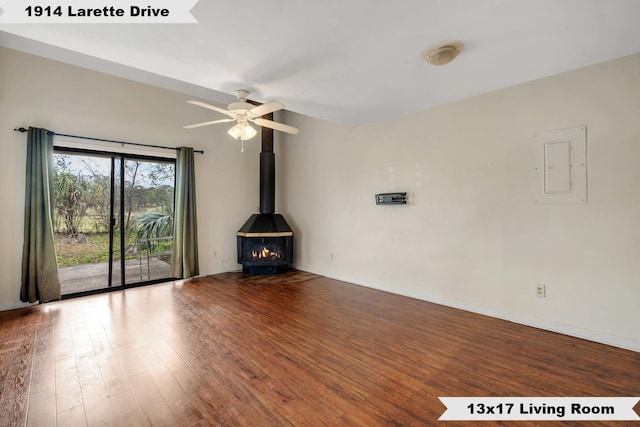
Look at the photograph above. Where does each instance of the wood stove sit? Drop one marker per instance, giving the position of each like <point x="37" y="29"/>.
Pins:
<point x="265" y="252"/>
<point x="265" y="241"/>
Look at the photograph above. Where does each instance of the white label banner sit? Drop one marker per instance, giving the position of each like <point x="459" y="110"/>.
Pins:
<point x="97" y="12"/>
<point x="539" y="408"/>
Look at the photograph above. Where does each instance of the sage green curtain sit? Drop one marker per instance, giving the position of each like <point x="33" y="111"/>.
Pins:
<point x="39" y="266"/>
<point x="184" y="263"/>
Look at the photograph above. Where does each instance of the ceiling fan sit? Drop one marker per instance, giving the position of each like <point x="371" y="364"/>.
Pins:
<point x="244" y="113"/>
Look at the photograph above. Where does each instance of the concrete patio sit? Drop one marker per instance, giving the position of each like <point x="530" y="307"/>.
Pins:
<point x="90" y="277"/>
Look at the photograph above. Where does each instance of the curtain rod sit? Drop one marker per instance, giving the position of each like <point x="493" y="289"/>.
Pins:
<point x="22" y="130"/>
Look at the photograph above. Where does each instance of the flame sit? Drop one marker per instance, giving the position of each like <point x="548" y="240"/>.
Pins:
<point x="265" y="253"/>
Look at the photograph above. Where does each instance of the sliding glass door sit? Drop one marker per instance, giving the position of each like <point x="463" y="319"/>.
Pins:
<point x="113" y="219"/>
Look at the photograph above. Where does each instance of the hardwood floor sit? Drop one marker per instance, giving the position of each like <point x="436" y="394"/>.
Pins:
<point x="294" y="349"/>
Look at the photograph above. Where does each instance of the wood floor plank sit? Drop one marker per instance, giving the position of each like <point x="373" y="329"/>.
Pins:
<point x="127" y="412"/>
<point x="178" y="402"/>
<point x="15" y="396"/>
<point x="130" y="359"/>
<point x="67" y="381"/>
<point x="7" y="349"/>
<point x="114" y="377"/>
<point x="42" y="409"/>
<point x="288" y="350"/>
<point x="73" y="417"/>
<point x="43" y="367"/>
<point x="150" y="400"/>
<point x="94" y="392"/>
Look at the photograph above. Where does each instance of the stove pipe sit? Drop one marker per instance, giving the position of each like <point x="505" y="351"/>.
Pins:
<point x="267" y="171"/>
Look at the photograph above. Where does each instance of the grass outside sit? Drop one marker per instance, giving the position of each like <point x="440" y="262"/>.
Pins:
<point x="84" y="248"/>
<point x="91" y="248"/>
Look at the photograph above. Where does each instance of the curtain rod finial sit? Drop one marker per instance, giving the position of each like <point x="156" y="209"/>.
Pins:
<point x="21" y="129"/>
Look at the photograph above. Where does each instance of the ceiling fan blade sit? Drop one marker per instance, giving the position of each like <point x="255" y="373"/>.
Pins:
<point x="266" y="108"/>
<point x="210" y="107"/>
<point x="197" y="125"/>
<point x="277" y="126"/>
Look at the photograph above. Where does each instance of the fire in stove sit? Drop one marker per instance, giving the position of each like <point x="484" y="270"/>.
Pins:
<point x="265" y="253"/>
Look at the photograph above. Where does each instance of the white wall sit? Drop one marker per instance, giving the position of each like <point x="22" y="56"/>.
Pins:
<point x="67" y="99"/>
<point x="471" y="236"/>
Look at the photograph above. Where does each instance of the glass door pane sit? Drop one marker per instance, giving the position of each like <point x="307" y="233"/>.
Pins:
<point x="148" y="219"/>
<point x="82" y="212"/>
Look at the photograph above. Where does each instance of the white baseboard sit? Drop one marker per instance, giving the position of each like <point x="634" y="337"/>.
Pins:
<point x="5" y="307"/>
<point x="595" y="336"/>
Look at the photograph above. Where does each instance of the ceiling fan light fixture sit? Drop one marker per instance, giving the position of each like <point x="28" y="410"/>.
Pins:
<point x="242" y="131"/>
<point x="243" y="113"/>
<point x="442" y="53"/>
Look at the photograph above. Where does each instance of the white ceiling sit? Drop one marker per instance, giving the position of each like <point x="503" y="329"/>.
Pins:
<point x="347" y="61"/>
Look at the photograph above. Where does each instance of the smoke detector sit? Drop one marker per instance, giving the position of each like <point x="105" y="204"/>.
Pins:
<point x="442" y="53"/>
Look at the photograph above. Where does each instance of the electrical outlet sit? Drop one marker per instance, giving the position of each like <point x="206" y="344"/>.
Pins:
<point x="331" y="256"/>
<point x="541" y="291"/>
<point x="215" y="254"/>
